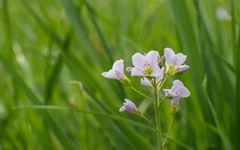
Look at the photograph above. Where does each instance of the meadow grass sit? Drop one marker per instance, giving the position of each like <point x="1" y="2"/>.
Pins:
<point x="52" y="54"/>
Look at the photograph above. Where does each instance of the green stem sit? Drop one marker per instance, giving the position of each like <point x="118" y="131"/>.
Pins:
<point x="148" y="98"/>
<point x="159" y="88"/>
<point x="162" y="83"/>
<point x="149" y="121"/>
<point x="169" y="127"/>
<point x="157" y="116"/>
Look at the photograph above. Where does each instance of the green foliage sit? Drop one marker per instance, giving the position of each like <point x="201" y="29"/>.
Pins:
<point x="45" y="46"/>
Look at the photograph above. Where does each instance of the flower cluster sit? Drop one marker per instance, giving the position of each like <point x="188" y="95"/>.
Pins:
<point x="153" y="71"/>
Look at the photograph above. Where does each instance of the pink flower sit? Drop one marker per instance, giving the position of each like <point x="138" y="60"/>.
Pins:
<point x="177" y="91"/>
<point x="174" y="62"/>
<point x="146" y="65"/>
<point x="117" y="71"/>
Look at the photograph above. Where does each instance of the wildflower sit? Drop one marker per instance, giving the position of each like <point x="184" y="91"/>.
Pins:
<point x="146" y="65"/>
<point x="177" y="91"/>
<point x="117" y="72"/>
<point x="174" y="63"/>
<point x="129" y="106"/>
<point x="145" y="81"/>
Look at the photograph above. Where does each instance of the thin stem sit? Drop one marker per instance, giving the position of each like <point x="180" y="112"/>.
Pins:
<point x="168" y="131"/>
<point x="148" y="120"/>
<point x="162" y="83"/>
<point x="159" y="88"/>
<point x="157" y="116"/>
<point x="148" y="98"/>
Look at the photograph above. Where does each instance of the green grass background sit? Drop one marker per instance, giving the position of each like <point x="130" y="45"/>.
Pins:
<point x="52" y="54"/>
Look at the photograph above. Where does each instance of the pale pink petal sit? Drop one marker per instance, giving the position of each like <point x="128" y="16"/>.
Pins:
<point x="152" y="58"/>
<point x="168" y="54"/>
<point x="175" y="101"/>
<point x="179" y="59"/>
<point x="185" y="93"/>
<point x="137" y="72"/>
<point x="169" y="93"/>
<point x="119" y="74"/>
<point x="183" y="68"/>
<point x="129" y="106"/>
<point x="122" y="109"/>
<point x="118" y="65"/>
<point x="156" y="71"/>
<point x="177" y="84"/>
<point x="138" y="60"/>
<point x="160" y="77"/>
<point x="111" y="74"/>
<point x="146" y="82"/>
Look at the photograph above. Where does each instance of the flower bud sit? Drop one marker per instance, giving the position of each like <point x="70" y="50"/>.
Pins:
<point x="183" y="68"/>
<point x="161" y="62"/>
<point x="129" y="106"/>
<point x="129" y="69"/>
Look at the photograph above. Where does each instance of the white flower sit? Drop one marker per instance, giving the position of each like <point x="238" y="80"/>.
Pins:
<point x="174" y="62"/>
<point x="177" y="91"/>
<point x="146" y="65"/>
<point x="145" y="81"/>
<point x="117" y="71"/>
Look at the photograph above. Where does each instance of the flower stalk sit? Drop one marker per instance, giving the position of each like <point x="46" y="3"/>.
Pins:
<point x="168" y="130"/>
<point x="157" y="115"/>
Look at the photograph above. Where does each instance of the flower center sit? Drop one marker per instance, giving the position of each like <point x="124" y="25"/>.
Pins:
<point x="171" y="70"/>
<point x="148" y="70"/>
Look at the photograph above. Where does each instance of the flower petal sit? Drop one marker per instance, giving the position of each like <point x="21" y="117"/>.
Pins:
<point x="177" y="85"/>
<point x="137" y="72"/>
<point x="160" y="77"/>
<point x="152" y="58"/>
<point x="179" y="59"/>
<point x="183" y="68"/>
<point x="169" y="93"/>
<point x="185" y="93"/>
<point x="111" y="74"/>
<point x="168" y="54"/>
<point x="119" y="74"/>
<point x="129" y="105"/>
<point x="175" y="101"/>
<point x="118" y="65"/>
<point x="138" y="60"/>
<point x="145" y="82"/>
<point x="122" y="109"/>
<point x="156" y="71"/>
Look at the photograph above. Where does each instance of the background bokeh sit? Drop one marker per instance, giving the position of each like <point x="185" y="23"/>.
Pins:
<point x="52" y="54"/>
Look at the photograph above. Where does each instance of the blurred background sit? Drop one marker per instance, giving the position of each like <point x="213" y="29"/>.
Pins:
<point x="52" y="54"/>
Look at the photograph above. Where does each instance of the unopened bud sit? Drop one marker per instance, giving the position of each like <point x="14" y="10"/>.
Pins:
<point x="183" y="68"/>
